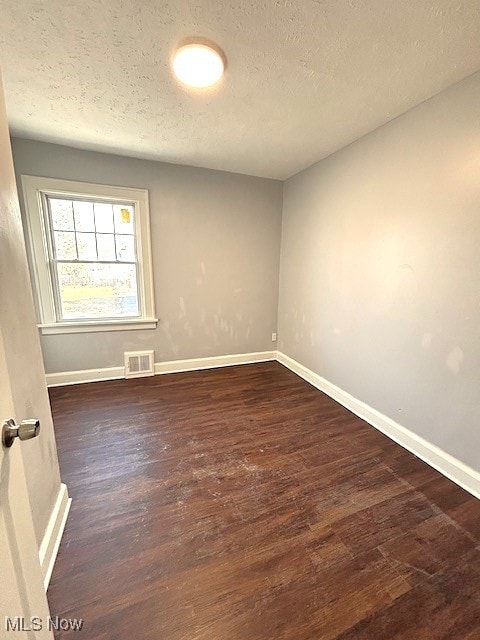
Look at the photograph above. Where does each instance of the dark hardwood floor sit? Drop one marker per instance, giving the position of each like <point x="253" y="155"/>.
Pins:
<point x="243" y="504"/>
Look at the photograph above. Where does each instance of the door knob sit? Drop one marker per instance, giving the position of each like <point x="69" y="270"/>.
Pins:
<point x="26" y="430"/>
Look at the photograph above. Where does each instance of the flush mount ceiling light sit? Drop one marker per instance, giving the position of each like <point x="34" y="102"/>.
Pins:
<point x="199" y="65"/>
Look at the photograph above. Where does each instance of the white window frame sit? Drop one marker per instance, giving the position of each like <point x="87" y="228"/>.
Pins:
<point x="35" y="191"/>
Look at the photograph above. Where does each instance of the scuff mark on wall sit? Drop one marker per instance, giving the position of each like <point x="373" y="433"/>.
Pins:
<point x="427" y="340"/>
<point x="183" y="310"/>
<point x="455" y="359"/>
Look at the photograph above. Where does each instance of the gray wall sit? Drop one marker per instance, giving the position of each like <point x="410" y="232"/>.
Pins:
<point x="380" y="270"/>
<point x="215" y="243"/>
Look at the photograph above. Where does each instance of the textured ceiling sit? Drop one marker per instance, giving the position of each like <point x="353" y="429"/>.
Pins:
<point x="304" y="77"/>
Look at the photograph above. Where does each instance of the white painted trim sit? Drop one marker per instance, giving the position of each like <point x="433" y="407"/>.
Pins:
<point x="446" y="464"/>
<point x="53" y="534"/>
<point x="84" y="375"/>
<point x="194" y="364"/>
<point x="174" y="366"/>
<point x="35" y="189"/>
<point x="95" y="327"/>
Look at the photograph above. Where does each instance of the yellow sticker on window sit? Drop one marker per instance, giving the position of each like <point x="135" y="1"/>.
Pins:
<point x="125" y="215"/>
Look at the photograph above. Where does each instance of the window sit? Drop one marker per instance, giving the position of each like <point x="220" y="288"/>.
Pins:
<point x="89" y="247"/>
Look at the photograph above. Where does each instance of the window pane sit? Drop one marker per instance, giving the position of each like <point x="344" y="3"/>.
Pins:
<point x="65" y="248"/>
<point x="87" y="247"/>
<point x="106" y="246"/>
<point x="125" y="248"/>
<point x="83" y="212"/>
<point x="103" y="217"/>
<point x="62" y="214"/>
<point x="123" y="218"/>
<point x="98" y="290"/>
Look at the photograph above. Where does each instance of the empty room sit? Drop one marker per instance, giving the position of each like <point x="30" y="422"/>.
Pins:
<point x="240" y="320"/>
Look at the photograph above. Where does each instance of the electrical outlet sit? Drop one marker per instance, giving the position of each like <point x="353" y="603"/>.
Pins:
<point x="274" y="337"/>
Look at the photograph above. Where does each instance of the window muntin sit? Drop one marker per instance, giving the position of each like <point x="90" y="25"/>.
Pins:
<point x="93" y="258"/>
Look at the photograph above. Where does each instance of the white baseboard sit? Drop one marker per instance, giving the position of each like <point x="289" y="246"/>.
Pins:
<point x="174" y="366"/>
<point x="451" y="467"/>
<point x="84" y="375"/>
<point x="53" y="534"/>
<point x="195" y="364"/>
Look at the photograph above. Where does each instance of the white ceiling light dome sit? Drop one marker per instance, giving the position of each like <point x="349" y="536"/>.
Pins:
<point x="198" y="64"/>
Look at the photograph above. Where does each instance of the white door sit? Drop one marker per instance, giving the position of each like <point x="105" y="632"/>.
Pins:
<point x="23" y="602"/>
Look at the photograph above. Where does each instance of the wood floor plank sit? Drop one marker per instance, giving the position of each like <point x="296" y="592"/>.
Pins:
<point x="242" y="503"/>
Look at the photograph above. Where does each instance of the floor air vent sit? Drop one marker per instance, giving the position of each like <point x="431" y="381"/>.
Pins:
<point x="138" y="364"/>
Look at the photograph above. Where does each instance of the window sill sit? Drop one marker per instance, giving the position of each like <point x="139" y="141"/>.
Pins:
<point x="94" y="326"/>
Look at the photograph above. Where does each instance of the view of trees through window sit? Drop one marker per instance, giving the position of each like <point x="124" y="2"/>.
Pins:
<point x="94" y="258"/>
